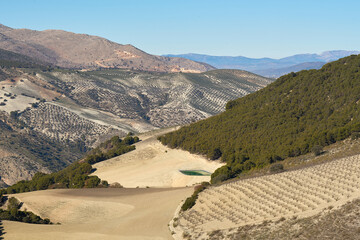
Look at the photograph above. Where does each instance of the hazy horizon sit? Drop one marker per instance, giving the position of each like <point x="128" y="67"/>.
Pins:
<point x="253" y="29"/>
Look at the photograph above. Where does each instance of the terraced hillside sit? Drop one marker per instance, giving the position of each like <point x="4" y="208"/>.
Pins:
<point x="23" y="151"/>
<point x="156" y="98"/>
<point x="77" y="110"/>
<point x="294" y="194"/>
<point x="60" y="124"/>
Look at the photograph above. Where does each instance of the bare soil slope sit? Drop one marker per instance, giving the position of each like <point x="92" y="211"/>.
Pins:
<point x="155" y="165"/>
<point x="99" y="214"/>
<point x="70" y="50"/>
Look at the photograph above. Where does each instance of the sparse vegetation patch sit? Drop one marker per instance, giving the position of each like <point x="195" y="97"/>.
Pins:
<point x="77" y="174"/>
<point x="111" y="148"/>
<point x="190" y="201"/>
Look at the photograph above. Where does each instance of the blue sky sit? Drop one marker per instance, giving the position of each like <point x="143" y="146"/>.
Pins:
<point x="252" y="28"/>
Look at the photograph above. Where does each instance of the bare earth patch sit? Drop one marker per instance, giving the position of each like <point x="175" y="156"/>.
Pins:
<point x="99" y="214"/>
<point x="155" y="165"/>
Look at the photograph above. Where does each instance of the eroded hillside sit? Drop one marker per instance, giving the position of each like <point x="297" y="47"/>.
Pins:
<point x="155" y="98"/>
<point x="23" y="151"/>
<point x="81" y="109"/>
<point x="82" y="51"/>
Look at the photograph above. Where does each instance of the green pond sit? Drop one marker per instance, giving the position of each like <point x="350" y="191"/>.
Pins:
<point x="195" y="172"/>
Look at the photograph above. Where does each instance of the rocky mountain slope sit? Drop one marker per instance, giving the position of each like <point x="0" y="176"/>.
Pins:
<point x="7" y="57"/>
<point x="81" y="51"/>
<point x="78" y="110"/>
<point x="269" y="67"/>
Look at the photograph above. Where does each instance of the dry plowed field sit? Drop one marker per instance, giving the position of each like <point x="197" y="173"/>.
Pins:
<point x="155" y="165"/>
<point x="104" y="214"/>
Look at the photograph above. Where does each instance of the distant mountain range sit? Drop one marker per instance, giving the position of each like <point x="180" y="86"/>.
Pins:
<point x="82" y="51"/>
<point x="269" y="67"/>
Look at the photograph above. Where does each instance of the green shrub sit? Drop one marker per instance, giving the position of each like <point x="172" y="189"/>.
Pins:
<point x="355" y="135"/>
<point x="276" y="168"/>
<point x="104" y="183"/>
<point x="13" y="203"/>
<point x="14" y="214"/>
<point x="116" y="185"/>
<point x="215" y="154"/>
<point x="92" y="182"/>
<point x="111" y="148"/>
<point x="190" y="201"/>
<point x="317" y="150"/>
<point x="73" y="176"/>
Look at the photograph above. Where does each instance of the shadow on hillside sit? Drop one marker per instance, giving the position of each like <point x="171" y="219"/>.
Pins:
<point x="3" y="200"/>
<point x="1" y="231"/>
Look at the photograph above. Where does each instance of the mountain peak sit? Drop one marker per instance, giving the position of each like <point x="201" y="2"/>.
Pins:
<point x="82" y="51"/>
<point x="3" y="27"/>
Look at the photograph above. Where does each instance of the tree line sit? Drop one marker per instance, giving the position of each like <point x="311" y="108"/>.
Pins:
<point x="285" y="119"/>
<point x="13" y="213"/>
<point x="77" y="174"/>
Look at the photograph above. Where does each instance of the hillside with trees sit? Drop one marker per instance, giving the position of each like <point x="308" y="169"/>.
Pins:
<point x="13" y="212"/>
<point x="290" y="117"/>
<point x="65" y="108"/>
<point x="77" y="174"/>
<point x="23" y="151"/>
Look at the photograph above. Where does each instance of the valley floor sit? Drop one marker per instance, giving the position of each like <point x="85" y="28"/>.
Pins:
<point x="109" y="213"/>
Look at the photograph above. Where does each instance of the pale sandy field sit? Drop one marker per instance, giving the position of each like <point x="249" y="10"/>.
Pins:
<point x="99" y="214"/>
<point x="155" y="165"/>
